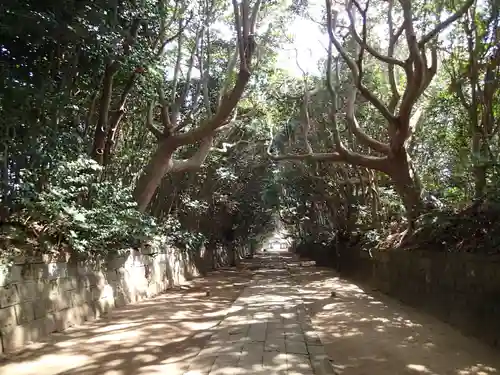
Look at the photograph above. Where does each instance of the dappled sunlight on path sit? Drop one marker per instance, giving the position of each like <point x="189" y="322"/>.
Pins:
<point x="267" y="331"/>
<point x="365" y="332"/>
<point x="152" y="337"/>
<point x="273" y="315"/>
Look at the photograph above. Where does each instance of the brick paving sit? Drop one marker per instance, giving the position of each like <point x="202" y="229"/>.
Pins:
<point x="267" y="331"/>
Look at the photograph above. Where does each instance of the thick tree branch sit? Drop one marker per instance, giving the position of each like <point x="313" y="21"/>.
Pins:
<point x="332" y="89"/>
<point x="415" y="70"/>
<point x="443" y="25"/>
<point x="195" y="161"/>
<point x="150" y="123"/>
<point x="331" y="21"/>
<point x="177" y="104"/>
<point x="388" y="59"/>
<point x="165" y="113"/>
<point x="238" y="26"/>
<point x="352" y="122"/>
<point x="228" y="101"/>
<point x="360" y="135"/>
<point x="394" y="37"/>
<point x="372" y="162"/>
<point x="167" y="41"/>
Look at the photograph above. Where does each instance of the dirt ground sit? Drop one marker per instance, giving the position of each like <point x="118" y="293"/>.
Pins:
<point x="366" y="332"/>
<point x="151" y="337"/>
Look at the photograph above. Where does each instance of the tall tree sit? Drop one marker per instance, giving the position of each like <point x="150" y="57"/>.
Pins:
<point x="402" y="112"/>
<point x="173" y="134"/>
<point x="474" y="69"/>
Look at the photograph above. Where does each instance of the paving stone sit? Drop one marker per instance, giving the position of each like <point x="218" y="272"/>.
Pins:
<point x="257" y="331"/>
<point x="321" y="364"/>
<point x="296" y="347"/>
<point x="267" y="332"/>
<point x="275" y="361"/>
<point x="298" y="364"/>
<point x="275" y="344"/>
<point x="295" y="336"/>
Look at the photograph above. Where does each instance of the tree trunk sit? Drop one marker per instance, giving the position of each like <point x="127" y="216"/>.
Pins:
<point x="159" y="164"/>
<point x="209" y="258"/>
<point x="479" y="180"/>
<point x="407" y="185"/>
<point x="479" y="168"/>
<point x="101" y="128"/>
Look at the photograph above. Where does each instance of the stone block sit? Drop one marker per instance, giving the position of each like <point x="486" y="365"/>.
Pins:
<point x="84" y="282"/>
<point x="68" y="283"/>
<point x="112" y="276"/>
<point x="116" y="262"/>
<point x="95" y="293"/>
<point x="61" y="301"/>
<point x="120" y="299"/>
<point x="104" y="306"/>
<point x="83" y="269"/>
<point x="41" y="271"/>
<point x="8" y="295"/>
<point x="56" y="271"/>
<point x="11" y="275"/>
<point x="296" y="347"/>
<point x="27" y="291"/>
<point x="43" y="288"/>
<point x="65" y="319"/>
<point x="24" y="312"/>
<point x="76" y="298"/>
<point x="16" y="337"/>
<point x="87" y="311"/>
<point x="8" y="317"/>
<point x="50" y="324"/>
<point x="49" y="287"/>
<point x="42" y="307"/>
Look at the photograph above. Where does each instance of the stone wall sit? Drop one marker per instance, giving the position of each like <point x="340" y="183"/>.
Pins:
<point x="42" y="295"/>
<point x="461" y="289"/>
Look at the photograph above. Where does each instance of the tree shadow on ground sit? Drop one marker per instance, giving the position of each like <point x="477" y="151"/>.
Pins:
<point x="149" y="337"/>
<point x="169" y="334"/>
<point x="365" y="331"/>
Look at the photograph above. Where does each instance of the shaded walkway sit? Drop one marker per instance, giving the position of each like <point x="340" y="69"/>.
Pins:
<point x="268" y="329"/>
<point x="366" y="332"/>
<point x="151" y="337"/>
<point x="266" y="332"/>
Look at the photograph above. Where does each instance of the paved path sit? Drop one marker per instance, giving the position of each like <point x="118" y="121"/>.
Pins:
<point x="259" y="322"/>
<point x="266" y="332"/>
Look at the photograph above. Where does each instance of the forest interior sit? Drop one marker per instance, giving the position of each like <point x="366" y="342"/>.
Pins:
<point x="198" y="125"/>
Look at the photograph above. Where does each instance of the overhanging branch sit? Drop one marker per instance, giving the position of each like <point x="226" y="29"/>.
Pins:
<point x="447" y="22"/>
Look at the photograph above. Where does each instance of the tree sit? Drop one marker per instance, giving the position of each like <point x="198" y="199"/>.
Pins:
<point x="172" y="136"/>
<point x="402" y="111"/>
<point x="474" y="70"/>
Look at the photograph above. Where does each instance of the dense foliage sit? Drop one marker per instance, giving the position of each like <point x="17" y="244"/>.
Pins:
<point x="126" y="121"/>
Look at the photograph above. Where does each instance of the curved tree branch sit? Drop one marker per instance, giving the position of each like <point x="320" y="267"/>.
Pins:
<point x="388" y="59"/>
<point x="443" y="25"/>
<point x="195" y="161"/>
<point x="331" y="25"/>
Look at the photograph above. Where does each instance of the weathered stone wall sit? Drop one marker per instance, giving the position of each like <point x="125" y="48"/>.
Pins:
<point x="461" y="289"/>
<point x="39" y="295"/>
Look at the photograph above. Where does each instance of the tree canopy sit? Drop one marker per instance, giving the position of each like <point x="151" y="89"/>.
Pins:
<point x="128" y="120"/>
